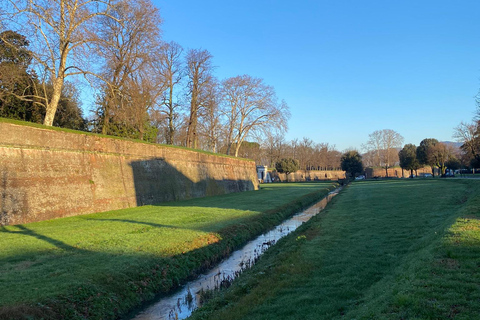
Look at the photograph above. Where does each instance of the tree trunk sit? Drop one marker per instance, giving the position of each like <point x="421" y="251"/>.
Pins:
<point x="192" y="124"/>
<point x="443" y="170"/>
<point x="237" y="148"/>
<point x="50" y="114"/>
<point x="106" y="121"/>
<point x="53" y="103"/>
<point x="58" y="78"/>
<point x="171" y="129"/>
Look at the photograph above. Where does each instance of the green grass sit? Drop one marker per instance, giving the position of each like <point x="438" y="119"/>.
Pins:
<point x="397" y="249"/>
<point x="101" y="265"/>
<point x="468" y="175"/>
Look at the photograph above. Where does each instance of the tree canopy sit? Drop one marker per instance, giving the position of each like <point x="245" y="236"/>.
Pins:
<point x="408" y="158"/>
<point x="287" y="165"/>
<point x="426" y="151"/>
<point x="351" y="162"/>
<point x="383" y="145"/>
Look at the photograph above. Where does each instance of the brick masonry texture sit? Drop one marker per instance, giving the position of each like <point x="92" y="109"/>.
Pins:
<point x="47" y="174"/>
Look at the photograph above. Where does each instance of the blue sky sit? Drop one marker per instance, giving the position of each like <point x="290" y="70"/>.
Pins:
<point x="345" y="68"/>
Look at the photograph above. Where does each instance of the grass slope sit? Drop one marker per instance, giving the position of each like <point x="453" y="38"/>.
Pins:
<point x="101" y="265"/>
<point x="381" y="250"/>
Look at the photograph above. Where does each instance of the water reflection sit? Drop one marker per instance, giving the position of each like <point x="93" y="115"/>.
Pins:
<point x="181" y="304"/>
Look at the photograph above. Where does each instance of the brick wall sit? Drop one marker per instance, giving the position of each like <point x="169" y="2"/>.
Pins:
<point x="46" y="174"/>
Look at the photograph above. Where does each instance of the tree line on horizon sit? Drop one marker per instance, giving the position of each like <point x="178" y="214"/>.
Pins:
<point x="384" y="149"/>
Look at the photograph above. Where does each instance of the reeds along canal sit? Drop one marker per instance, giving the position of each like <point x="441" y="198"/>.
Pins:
<point x="181" y="304"/>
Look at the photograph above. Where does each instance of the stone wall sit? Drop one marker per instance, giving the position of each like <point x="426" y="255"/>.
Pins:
<point x="394" y="172"/>
<point x="46" y="174"/>
<point x="310" y="175"/>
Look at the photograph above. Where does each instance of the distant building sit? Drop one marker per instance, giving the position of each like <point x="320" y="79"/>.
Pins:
<point x="263" y="174"/>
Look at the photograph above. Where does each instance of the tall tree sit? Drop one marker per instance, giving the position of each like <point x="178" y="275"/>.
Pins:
<point x="408" y="158"/>
<point x="210" y="127"/>
<point x="469" y="135"/>
<point x="287" y="166"/>
<point x="384" y="144"/>
<point x="199" y="72"/>
<point x="17" y="82"/>
<point x="426" y="153"/>
<point x="14" y="49"/>
<point x="172" y="71"/>
<point x="62" y="30"/>
<point x="274" y="145"/>
<point x="333" y="157"/>
<point x="441" y="154"/>
<point x="351" y="163"/>
<point x="251" y="107"/>
<point x="305" y="153"/>
<point x="129" y="45"/>
<point x="375" y="148"/>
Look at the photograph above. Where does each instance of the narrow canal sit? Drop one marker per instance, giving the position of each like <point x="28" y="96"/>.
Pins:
<point x="181" y="304"/>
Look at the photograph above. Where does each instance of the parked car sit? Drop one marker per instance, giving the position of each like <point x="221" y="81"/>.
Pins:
<point x="360" y="177"/>
<point x="427" y="175"/>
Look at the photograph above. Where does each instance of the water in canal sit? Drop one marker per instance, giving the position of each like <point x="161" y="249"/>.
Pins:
<point x="181" y="304"/>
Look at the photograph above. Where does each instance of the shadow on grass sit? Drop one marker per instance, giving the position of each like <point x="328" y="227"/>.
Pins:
<point x="151" y="224"/>
<point x="31" y="233"/>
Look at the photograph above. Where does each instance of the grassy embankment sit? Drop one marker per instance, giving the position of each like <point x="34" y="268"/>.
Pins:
<point x="101" y="265"/>
<point x="382" y="250"/>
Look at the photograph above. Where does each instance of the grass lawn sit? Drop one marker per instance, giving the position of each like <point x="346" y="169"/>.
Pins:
<point x="406" y="249"/>
<point x="101" y="265"/>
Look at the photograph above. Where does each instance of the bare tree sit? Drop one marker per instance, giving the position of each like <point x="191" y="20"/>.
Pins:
<point x="294" y="148"/>
<point x="374" y="147"/>
<point x="61" y="33"/>
<point x="305" y="153"/>
<point x="274" y="148"/>
<point x="326" y="157"/>
<point x="251" y="107"/>
<point x="468" y="135"/>
<point x="199" y="72"/>
<point x="384" y="144"/>
<point x="129" y="45"/>
<point x="211" y="127"/>
<point x="171" y="68"/>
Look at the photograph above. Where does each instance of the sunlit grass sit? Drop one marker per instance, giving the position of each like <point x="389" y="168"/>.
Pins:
<point x="104" y="251"/>
<point x="382" y="250"/>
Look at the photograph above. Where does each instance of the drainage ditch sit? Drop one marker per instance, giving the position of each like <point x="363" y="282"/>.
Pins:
<point x="181" y="304"/>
